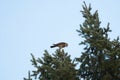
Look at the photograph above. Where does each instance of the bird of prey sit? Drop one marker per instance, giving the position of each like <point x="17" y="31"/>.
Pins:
<point x="60" y="45"/>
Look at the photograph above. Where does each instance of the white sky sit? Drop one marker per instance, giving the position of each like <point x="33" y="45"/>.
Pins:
<point x="31" y="26"/>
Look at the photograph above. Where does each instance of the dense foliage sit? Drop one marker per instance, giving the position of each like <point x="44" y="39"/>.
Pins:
<point x="57" y="66"/>
<point x="100" y="59"/>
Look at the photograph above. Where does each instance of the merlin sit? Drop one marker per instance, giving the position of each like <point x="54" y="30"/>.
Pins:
<point x="60" y="45"/>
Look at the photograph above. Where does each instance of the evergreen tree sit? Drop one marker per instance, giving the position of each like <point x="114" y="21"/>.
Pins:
<point x="101" y="57"/>
<point x="57" y="66"/>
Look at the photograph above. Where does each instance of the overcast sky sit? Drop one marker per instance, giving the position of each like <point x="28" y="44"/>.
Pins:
<point x="31" y="26"/>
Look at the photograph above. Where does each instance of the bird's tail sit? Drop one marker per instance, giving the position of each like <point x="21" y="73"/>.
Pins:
<point x="52" y="46"/>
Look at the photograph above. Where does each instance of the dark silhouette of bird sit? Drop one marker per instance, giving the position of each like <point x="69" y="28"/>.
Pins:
<point x="60" y="45"/>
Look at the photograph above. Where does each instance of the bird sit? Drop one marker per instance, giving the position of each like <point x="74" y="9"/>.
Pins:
<point x="60" y="45"/>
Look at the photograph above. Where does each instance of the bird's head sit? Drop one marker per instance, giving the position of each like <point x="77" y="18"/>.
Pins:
<point x="66" y="44"/>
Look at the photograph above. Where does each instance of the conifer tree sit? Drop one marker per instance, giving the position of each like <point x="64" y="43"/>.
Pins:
<point x="100" y="59"/>
<point x="58" y="66"/>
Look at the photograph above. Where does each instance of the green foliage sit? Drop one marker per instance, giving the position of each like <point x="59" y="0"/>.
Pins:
<point x="29" y="76"/>
<point x="101" y="57"/>
<point x="57" y="66"/>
